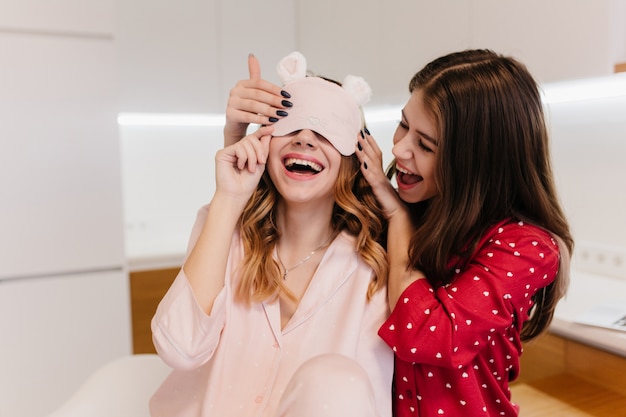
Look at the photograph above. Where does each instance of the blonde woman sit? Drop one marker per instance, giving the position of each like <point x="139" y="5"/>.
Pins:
<point x="277" y="306"/>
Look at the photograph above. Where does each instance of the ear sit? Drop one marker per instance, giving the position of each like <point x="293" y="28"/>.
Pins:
<point x="358" y="88"/>
<point x="292" y="67"/>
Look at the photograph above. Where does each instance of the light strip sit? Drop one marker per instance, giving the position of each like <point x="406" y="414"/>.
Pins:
<point x="599" y="88"/>
<point x="610" y="86"/>
<point x="170" y="119"/>
<point x="383" y="114"/>
<point x="377" y="115"/>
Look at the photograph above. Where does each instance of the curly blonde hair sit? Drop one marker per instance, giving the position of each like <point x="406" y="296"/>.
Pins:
<point x="355" y="211"/>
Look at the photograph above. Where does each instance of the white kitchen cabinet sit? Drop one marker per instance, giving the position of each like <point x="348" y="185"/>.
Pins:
<point x="557" y="40"/>
<point x="56" y="331"/>
<point x="60" y="165"/>
<point x="269" y="29"/>
<point x="83" y="17"/>
<point x="384" y="42"/>
<point x="168" y="55"/>
<point x="64" y="302"/>
<point x="185" y="56"/>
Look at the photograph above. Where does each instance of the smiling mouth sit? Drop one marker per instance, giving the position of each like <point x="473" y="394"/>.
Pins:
<point x="302" y="166"/>
<point x="406" y="177"/>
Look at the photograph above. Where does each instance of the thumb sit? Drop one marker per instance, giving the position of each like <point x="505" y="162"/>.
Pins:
<point x="254" y="68"/>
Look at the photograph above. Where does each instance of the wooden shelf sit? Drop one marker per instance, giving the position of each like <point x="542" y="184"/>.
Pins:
<point x="147" y="288"/>
<point x="561" y="377"/>
<point x="566" y="395"/>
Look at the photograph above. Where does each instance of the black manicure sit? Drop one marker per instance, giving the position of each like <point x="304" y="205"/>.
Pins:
<point x="285" y="94"/>
<point x="362" y="135"/>
<point x="287" y="103"/>
<point x="365" y="165"/>
<point x="282" y="113"/>
<point x="273" y="119"/>
<point x="358" y="145"/>
<point x="367" y="131"/>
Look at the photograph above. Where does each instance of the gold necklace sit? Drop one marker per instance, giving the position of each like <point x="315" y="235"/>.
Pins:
<point x="303" y="260"/>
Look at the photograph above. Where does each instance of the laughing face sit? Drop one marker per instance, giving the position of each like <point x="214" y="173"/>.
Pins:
<point x="304" y="167"/>
<point x="415" y="148"/>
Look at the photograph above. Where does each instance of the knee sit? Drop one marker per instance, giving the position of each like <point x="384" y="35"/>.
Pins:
<point x="329" y="385"/>
<point x="333" y="370"/>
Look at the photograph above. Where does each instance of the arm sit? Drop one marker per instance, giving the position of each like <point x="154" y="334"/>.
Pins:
<point x="400" y="226"/>
<point x="238" y="170"/>
<point x="448" y="326"/>
<point x="187" y="325"/>
<point x="252" y="101"/>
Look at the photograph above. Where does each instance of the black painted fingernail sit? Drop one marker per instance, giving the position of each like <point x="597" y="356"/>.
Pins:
<point x="285" y="94"/>
<point x="273" y="119"/>
<point x="358" y="145"/>
<point x="282" y="113"/>
<point x="367" y="131"/>
<point x="287" y="103"/>
<point x="365" y="165"/>
<point x="362" y="135"/>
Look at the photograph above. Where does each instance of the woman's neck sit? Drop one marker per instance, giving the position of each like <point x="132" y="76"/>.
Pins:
<point x="303" y="228"/>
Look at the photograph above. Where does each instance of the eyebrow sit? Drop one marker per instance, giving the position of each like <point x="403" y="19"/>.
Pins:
<point x="422" y="134"/>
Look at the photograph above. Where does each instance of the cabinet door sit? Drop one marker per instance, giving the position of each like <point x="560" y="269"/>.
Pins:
<point x="56" y="331"/>
<point x="168" y="60"/>
<point x="582" y="50"/>
<point x="60" y="161"/>
<point x="86" y="17"/>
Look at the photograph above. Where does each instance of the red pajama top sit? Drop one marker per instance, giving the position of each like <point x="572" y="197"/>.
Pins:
<point x="457" y="347"/>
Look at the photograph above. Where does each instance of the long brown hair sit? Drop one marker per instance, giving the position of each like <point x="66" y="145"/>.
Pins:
<point x="493" y="164"/>
<point x="355" y="211"/>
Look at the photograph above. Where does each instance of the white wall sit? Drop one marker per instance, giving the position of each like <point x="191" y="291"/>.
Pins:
<point x="168" y="174"/>
<point x="589" y="142"/>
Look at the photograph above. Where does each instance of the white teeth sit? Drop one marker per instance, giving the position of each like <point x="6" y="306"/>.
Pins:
<point x="404" y="171"/>
<point x="304" y="162"/>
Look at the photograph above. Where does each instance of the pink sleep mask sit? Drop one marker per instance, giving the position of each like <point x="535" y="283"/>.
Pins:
<point x="322" y="106"/>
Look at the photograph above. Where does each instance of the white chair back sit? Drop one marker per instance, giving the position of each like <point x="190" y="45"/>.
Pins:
<point x="121" y="388"/>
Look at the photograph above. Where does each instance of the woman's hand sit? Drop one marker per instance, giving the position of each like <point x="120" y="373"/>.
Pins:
<point x="239" y="167"/>
<point x="371" y="158"/>
<point x="253" y="101"/>
<point x="400" y="228"/>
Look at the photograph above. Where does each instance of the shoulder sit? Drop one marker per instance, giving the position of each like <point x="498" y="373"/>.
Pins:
<point x="346" y="241"/>
<point x="514" y="233"/>
<point x="520" y="243"/>
<point x="343" y="254"/>
<point x="345" y="245"/>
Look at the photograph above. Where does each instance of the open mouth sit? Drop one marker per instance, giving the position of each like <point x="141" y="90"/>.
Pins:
<point x="405" y="177"/>
<point x="302" y="166"/>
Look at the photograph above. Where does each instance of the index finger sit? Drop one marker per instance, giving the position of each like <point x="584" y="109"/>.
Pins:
<point x="254" y="68"/>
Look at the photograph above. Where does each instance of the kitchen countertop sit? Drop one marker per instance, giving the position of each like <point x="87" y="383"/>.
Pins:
<point x="585" y="292"/>
<point x="151" y="261"/>
<point x="613" y="341"/>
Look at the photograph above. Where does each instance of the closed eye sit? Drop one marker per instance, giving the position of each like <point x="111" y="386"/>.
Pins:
<point x="422" y="145"/>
